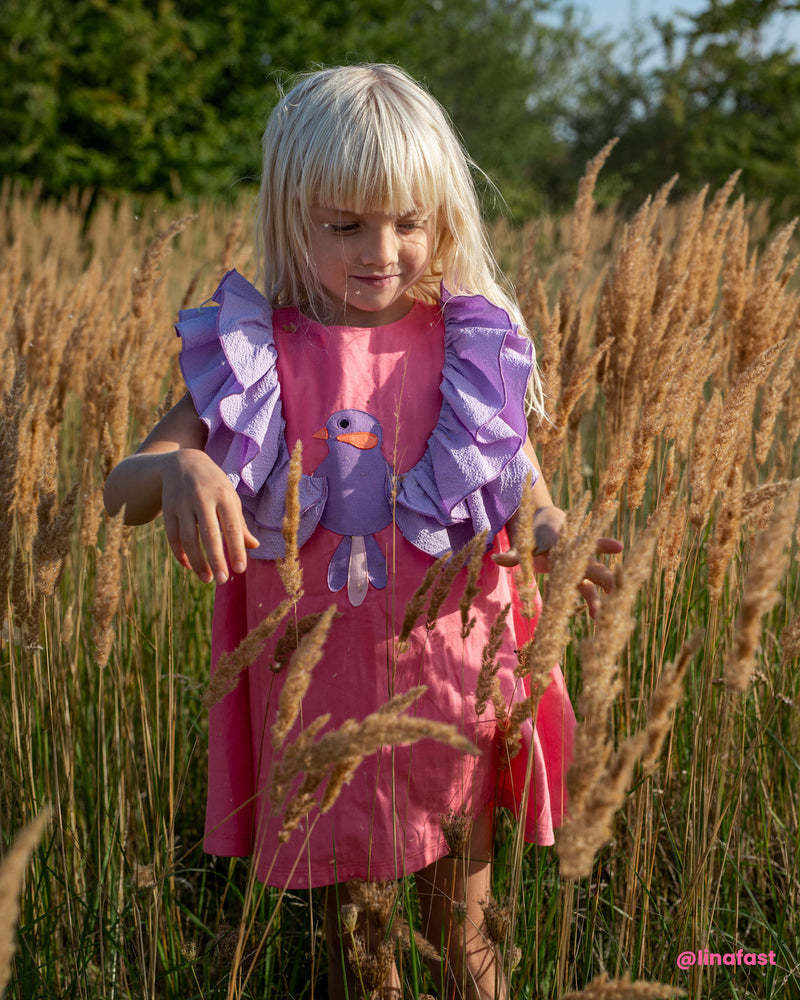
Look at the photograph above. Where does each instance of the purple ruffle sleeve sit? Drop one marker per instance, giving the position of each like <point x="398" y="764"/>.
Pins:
<point x="473" y="470"/>
<point x="228" y="363"/>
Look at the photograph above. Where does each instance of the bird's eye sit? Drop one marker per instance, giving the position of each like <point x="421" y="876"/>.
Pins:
<point x="344" y="422"/>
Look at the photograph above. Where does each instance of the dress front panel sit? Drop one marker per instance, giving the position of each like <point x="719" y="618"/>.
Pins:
<point x="363" y="403"/>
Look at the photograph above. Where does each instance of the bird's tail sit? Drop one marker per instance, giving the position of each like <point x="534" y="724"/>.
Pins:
<point x="358" y="562"/>
<point x="357" y="571"/>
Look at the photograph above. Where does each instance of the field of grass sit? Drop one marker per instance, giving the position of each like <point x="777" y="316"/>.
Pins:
<point x="669" y="345"/>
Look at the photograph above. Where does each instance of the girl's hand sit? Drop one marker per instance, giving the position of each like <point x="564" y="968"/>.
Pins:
<point x="547" y="524"/>
<point x="170" y="472"/>
<point x="203" y="516"/>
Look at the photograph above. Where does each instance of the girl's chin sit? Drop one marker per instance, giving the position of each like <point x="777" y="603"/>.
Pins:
<point x="370" y="308"/>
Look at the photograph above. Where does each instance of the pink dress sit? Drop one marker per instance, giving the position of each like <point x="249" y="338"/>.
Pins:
<point x="412" y="436"/>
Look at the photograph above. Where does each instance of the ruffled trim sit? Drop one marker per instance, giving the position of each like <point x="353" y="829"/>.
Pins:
<point x="473" y="470"/>
<point x="228" y="363"/>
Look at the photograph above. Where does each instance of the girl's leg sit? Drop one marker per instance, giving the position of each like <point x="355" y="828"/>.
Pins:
<point x="343" y="982"/>
<point x="470" y="968"/>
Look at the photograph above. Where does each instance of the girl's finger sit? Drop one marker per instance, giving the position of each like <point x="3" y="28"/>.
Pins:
<point x="589" y="593"/>
<point x="235" y="535"/>
<point x="181" y="526"/>
<point x="191" y="545"/>
<point x="172" y="528"/>
<point x="602" y="576"/>
<point x="193" y="523"/>
<point x="211" y="538"/>
<point x="608" y="546"/>
<point x="508" y="558"/>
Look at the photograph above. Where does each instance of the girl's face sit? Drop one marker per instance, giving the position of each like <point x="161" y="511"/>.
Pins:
<point x="367" y="262"/>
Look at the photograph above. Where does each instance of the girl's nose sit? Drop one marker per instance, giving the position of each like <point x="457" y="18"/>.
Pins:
<point x="380" y="245"/>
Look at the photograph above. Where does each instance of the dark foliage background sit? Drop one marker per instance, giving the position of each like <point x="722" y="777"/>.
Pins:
<point x="171" y="95"/>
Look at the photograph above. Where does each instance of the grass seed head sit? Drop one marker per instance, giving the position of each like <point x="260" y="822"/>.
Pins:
<point x="298" y="675"/>
<point x="230" y="665"/>
<point x="523" y="541"/>
<point x="416" y="604"/>
<point x="339" y="752"/>
<point x="767" y="565"/>
<point x="701" y="460"/>
<point x="774" y="395"/>
<point x="497" y="917"/>
<point x="726" y="535"/>
<point x="489" y="662"/>
<point x="603" y="988"/>
<point x="404" y="936"/>
<point x="444" y="584"/>
<point x="12" y="874"/>
<point x="477" y="550"/>
<point x="600" y="655"/>
<point x="590" y="827"/>
<point x="456" y="829"/>
<point x="290" y="640"/>
<point x="297" y="758"/>
<point x="289" y="568"/>
<point x="144" y="877"/>
<point x="371" y="968"/>
<point x="378" y="900"/>
<point x="733" y="428"/>
<point x="108" y="587"/>
<point x="148" y="274"/>
<point x="666" y="697"/>
<point x="580" y="232"/>
<point x="568" y="561"/>
<point x="790" y="641"/>
<point x="349" y="917"/>
<point x="54" y="529"/>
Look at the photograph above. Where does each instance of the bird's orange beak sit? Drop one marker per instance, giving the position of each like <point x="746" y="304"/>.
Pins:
<point x="322" y="434"/>
<point x="359" y="439"/>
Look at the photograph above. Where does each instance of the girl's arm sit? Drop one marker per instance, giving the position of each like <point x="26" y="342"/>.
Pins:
<point x="170" y="473"/>
<point x="547" y="523"/>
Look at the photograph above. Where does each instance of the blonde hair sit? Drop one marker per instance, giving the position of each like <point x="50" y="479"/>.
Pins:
<point x="369" y="138"/>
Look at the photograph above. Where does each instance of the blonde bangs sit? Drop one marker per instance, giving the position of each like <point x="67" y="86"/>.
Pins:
<point x="373" y="154"/>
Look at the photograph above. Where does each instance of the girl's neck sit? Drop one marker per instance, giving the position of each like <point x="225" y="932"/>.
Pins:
<point x="354" y="316"/>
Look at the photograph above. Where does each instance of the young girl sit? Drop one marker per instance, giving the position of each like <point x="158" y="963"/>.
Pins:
<point x="383" y="342"/>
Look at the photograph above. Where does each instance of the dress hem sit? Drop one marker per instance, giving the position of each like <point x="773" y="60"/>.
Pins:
<point x="287" y="878"/>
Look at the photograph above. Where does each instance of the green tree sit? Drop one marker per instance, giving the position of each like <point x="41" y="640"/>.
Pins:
<point x="727" y="96"/>
<point x="89" y="87"/>
<point x="509" y="74"/>
<point x="172" y="95"/>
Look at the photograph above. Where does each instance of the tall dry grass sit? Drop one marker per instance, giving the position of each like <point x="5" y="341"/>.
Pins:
<point x="669" y="343"/>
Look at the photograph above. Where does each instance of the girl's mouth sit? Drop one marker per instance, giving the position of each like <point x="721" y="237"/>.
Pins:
<point x="376" y="280"/>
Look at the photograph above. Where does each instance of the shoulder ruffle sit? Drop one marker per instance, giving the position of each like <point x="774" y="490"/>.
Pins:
<point x="228" y="362"/>
<point x="473" y="471"/>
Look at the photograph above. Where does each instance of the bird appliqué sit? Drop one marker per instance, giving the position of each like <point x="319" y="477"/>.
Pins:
<point x="357" y="504"/>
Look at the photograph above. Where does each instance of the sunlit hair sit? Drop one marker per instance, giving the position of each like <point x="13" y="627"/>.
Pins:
<point x="368" y="138"/>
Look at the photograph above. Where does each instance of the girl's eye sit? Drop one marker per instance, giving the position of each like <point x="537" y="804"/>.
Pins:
<point x="403" y="226"/>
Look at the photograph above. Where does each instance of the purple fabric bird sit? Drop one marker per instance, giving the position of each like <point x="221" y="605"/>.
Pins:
<point x="357" y="503"/>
